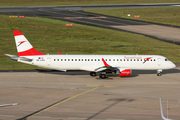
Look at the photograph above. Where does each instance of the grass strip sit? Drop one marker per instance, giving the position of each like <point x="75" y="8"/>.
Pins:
<point x="50" y="36"/>
<point x="166" y="15"/>
<point x="5" y="3"/>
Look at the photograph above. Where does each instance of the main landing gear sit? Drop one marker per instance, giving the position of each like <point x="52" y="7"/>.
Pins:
<point x="103" y="76"/>
<point x="159" y="72"/>
<point x="93" y="74"/>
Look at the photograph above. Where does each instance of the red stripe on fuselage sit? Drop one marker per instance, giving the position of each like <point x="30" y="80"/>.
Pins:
<point x="30" y="52"/>
<point x="17" y="32"/>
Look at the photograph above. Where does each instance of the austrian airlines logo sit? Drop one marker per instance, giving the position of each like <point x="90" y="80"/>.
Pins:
<point x="147" y="59"/>
<point x="21" y="42"/>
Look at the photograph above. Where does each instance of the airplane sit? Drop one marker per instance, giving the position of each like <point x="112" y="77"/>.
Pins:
<point x="104" y="65"/>
<point x="162" y="115"/>
<point x="4" y="105"/>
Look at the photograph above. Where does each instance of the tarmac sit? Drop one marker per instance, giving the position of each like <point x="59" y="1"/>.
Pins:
<point x="74" y="95"/>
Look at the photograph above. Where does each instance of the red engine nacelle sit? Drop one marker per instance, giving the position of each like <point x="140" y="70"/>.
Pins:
<point x="125" y="72"/>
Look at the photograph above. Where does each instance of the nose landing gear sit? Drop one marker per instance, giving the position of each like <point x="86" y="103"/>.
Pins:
<point x="159" y="72"/>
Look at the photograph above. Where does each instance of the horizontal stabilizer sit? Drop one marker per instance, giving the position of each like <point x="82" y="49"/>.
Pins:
<point x="26" y="59"/>
<point x="13" y="57"/>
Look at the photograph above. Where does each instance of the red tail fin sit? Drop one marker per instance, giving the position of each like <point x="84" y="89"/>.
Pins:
<point x="24" y="48"/>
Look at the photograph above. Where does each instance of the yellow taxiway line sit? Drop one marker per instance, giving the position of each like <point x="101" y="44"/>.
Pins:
<point x="60" y="102"/>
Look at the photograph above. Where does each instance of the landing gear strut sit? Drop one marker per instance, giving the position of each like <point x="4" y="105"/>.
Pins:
<point x="93" y="74"/>
<point x="159" y="72"/>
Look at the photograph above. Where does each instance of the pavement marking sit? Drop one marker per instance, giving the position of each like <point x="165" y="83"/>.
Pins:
<point x="92" y="85"/>
<point x="110" y="86"/>
<point x="76" y="118"/>
<point x="60" y="102"/>
<point x="115" y="119"/>
<point x="7" y="115"/>
<point x="100" y="91"/>
<point x="41" y="116"/>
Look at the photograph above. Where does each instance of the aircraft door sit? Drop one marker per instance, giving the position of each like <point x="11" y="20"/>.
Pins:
<point x="159" y="61"/>
<point x="49" y="61"/>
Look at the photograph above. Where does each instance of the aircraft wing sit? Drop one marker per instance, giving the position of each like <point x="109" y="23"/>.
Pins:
<point x="4" y="105"/>
<point x="106" y="67"/>
<point x="120" y="71"/>
<point x="162" y="115"/>
<point x="13" y="57"/>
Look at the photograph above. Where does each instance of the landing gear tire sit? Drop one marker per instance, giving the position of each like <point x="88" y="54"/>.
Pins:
<point x="93" y="74"/>
<point x="159" y="72"/>
<point x="103" y="76"/>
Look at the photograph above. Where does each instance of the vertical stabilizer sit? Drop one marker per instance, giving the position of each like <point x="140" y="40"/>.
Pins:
<point x="24" y="48"/>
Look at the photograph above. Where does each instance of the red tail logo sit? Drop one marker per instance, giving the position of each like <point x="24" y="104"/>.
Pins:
<point x="21" y="43"/>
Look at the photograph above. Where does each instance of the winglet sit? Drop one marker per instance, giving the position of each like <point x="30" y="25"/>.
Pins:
<point x="105" y="63"/>
<point x="59" y="53"/>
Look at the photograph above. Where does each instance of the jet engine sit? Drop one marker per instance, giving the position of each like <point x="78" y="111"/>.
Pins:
<point x="125" y="72"/>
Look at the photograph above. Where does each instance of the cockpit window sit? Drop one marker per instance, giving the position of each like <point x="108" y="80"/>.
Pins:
<point x="166" y="59"/>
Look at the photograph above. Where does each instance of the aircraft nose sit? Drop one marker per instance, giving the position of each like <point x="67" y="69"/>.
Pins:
<point x="173" y="65"/>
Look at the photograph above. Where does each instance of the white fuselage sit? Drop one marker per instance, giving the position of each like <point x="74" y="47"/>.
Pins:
<point x="92" y="62"/>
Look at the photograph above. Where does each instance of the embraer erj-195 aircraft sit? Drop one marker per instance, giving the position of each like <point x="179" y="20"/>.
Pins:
<point x="119" y="65"/>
